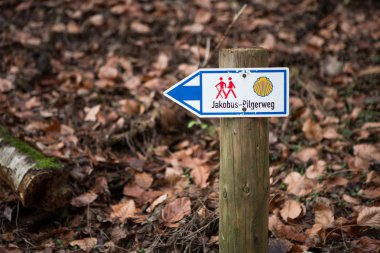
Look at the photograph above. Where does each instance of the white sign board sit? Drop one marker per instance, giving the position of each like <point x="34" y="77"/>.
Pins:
<point x="237" y="92"/>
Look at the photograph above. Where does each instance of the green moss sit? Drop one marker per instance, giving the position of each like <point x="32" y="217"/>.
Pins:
<point x="42" y="162"/>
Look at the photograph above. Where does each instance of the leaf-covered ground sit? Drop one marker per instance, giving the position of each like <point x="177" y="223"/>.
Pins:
<point x="83" y="81"/>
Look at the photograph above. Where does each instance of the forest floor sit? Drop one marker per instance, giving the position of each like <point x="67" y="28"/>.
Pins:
<point x="83" y="81"/>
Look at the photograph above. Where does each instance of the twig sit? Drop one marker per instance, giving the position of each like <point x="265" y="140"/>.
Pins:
<point x="18" y="212"/>
<point x="283" y="128"/>
<point x="226" y="33"/>
<point x="344" y="240"/>
<point x="207" y="54"/>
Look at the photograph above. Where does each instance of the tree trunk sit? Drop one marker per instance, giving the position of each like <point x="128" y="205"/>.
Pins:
<point x="38" y="180"/>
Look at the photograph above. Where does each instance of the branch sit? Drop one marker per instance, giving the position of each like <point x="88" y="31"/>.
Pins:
<point x="225" y="35"/>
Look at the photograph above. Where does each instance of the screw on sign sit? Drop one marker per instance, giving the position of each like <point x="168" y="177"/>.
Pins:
<point x="241" y="89"/>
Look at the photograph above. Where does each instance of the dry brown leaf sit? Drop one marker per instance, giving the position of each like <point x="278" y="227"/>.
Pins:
<point x="296" y="102"/>
<point x="335" y="181"/>
<point x="149" y="196"/>
<point x="176" y="210"/>
<point x="269" y="42"/>
<point x="124" y="210"/>
<point x="110" y="246"/>
<point x="366" y="245"/>
<point x="194" y="28"/>
<point x="32" y="103"/>
<point x="324" y="215"/>
<point x="279" y="246"/>
<point x="274" y="222"/>
<point x="8" y="237"/>
<point x="369" y="217"/>
<point x="133" y="190"/>
<point x="370" y="193"/>
<point x="160" y="150"/>
<point x="292" y="178"/>
<point x="332" y="66"/>
<point x="292" y="209"/>
<point x="202" y="16"/>
<point x="130" y="107"/>
<point x="367" y="151"/>
<point x="351" y="200"/>
<point x="86" y="244"/>
<point x="289" y="232"/>
<point x="172" y="175"/>
<point x="330" y="120"/>
<point x="118" y="233"/>
<point x="206" y="4"/>
<point x="314" y="230"/>
<point x="316" y="41"/>
<point x="307" y="154"/>
<point x="369" y="71"/>
<point x="91" y="113"/>
<point x="118" y="9"/>
<point x="156" y="202"/>
<point x="96" y="20"/>
<point x="5" y="85"/>
<point x="363" y="135"/>
<point x="316" y="170"/>
<point x="73" y="28"/>
<point x="214" y="239"/>
<point x="200" y="175"/>
<point x="373" y="177"/>
<point x="108" y="72"/>
<point x="299" y="185"/>
<point x="312" y="130"/>
<point x="154" y="83"/>
<point x="259" y="22"/>
<point x="101" y="185"/>
<point x="84" y="199"/>
<point x="302" y="188"/>
<point x="139" y="27"/>
<point x="355" y="113"/>
<point x="161" y="62"/>
<point x="104" y="83"/>
<point x="357" y="163"/>
<point x="26" y="38"/>
<point x="144" y="180"/>
<point x="369" y="125"/>
<point x="187" y="69"/>
<point x="58" y="28"/>
<point x="202" y="212"/>
<point x="331" y="133"/>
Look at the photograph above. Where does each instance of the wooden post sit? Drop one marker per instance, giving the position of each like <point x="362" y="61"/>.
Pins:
<point x="244" y="170"/>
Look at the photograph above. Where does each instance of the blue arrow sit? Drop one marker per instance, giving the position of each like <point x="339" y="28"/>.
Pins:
<point x="182" y="93"/>
<point x="188" y="92"/>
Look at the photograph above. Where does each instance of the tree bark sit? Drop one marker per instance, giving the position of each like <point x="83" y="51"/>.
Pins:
<point x="38" y="180"/>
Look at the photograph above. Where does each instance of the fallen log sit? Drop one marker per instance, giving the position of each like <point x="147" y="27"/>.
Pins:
<point x="38" y="180"/>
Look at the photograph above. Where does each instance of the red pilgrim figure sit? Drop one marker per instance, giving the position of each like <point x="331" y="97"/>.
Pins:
<point x="220" y="87"/>
<point x="231" y="87"/>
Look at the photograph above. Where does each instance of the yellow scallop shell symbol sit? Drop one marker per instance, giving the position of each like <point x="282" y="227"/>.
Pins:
<point x="263" y="86"/>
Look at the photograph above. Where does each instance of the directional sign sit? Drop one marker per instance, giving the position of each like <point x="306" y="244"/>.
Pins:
<point x="240" y="92"/>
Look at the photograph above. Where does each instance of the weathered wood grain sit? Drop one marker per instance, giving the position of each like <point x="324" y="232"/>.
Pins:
<point x="244" y="170"/>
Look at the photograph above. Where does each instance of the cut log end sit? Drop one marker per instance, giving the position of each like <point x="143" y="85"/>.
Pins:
<point x="45" y="189"/>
